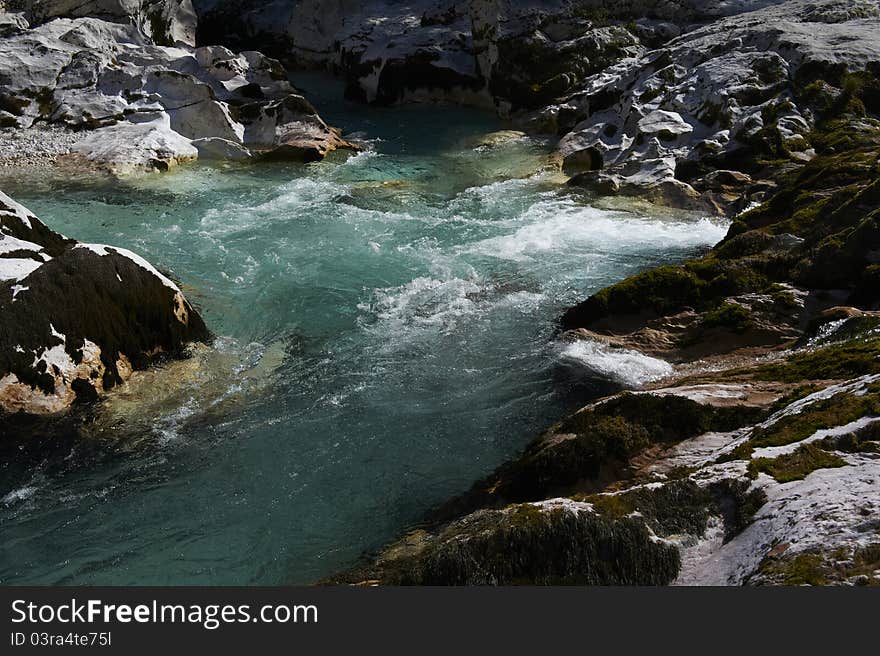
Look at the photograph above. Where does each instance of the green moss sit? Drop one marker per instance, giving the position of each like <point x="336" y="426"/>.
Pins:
<point x="46" y="101"/>
<point x="650" y="94"/>
<point x="663" y="289"/>
<point x="865" y="440"/>
<point x="615" y="506"/>
<point x="711" y="113"/>
<point x="785" y="299"/>
<point x="742" y="452"/>
<point x="528" y="545"/>
<point x="680" y="472"/>
<point x="732" y="316"/>
<point x="600" y="444"/>
<point x="797" y="465"/>
<point x="796" y="394"/>
<point x="596" y="444"/>
<point x="675" y="508"/>
<point x="737" y="503"/>
<point x="699" y="284"/>
<point x="838" y="362"/>
<point x="845" y="564"/>
<point x="682" y="506"/>
<point x="598" y="16"/>
<point x="741" y="242"/>
<point x="803" y="569"/>
<point x="838" y="410"/>
<point x="159" y="29"/>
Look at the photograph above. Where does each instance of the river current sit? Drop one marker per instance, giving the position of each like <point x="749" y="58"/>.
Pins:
<point x="386" y="335"/>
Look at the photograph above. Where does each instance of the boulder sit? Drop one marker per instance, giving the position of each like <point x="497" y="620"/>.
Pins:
<point x="76" y="319"/>
<point x="731" y="94"/>
<point x="142" y="105"/>
<point x="127" y="148"/>
<point x="166" y="22"/>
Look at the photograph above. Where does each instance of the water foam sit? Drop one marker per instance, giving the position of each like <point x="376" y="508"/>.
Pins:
<point x="625" y="367"/>
<point x="562" y="225"/>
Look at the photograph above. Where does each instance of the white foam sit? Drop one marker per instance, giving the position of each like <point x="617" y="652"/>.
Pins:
<point x="562" y="225"/>
<point x="361" y="157"/>
<point x="299" y="199"/>
<point x="422" y="302"/>
<point x="21" y="494"/>
<point x="628" y="368"/>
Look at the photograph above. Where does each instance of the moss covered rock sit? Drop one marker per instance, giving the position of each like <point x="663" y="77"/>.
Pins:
<point x="77" y="319"/>
<point x="558" y="542"/>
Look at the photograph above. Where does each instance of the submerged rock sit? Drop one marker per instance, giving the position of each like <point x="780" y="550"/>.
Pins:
<point x="76" y="319"/>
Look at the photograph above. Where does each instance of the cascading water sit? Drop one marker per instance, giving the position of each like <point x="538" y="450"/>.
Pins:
<point x="386" y="335"/>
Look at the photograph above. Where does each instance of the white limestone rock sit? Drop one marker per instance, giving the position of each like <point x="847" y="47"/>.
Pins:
<point x="719" y="90"/>
<point x="127" y="148"/>
<point x="148" y="102"/>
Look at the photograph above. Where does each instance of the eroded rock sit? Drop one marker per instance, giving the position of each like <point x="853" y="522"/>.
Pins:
<point x="76" y="319"/>
<point x="143" y="105"/>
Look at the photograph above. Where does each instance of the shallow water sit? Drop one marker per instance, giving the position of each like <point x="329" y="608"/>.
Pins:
<point x="386" y="335"/>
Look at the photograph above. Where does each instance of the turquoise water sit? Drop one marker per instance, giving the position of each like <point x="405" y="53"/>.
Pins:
<point x="386" y="335"/>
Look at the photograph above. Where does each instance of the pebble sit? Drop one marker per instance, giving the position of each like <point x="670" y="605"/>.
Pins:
<point x="35" y="146"/>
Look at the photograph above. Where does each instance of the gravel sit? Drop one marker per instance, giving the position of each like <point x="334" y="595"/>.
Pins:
<point x="35" y="146"/>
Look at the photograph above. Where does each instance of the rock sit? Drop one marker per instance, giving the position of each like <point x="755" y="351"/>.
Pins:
<point x="76" y="319"/>
<point x="482" y="52"/>
<point x="218" y="148"/>
<point x="666" y="125"/>
<point x="687" y="464"/>
<point x="166" y="22"/>
<point x="148" y="102"/>
<point x="36" y="146"/>
<point x="127" y="148"/>
<point x="558" y="541"/>
<point x="726" y="95"/>
<point x="290" y="128"/>
<point x="499" y="138"/>
<point x="12" y="23"/>
<point x="170" y="22"/>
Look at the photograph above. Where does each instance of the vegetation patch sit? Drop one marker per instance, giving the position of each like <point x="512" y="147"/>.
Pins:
<point x="674" y="508"/>
<point x="797" y="465"/>
<point x="838" y="410"/>
<point x="732" y="316"/>
<point x="737" y="503"/>
<point x="852" y="565"/>
<point x="839" y="362"/>
<point x="526" y="544"/>
<point x="596" y="445"/>
<point x="682" y="506"/>
<point x="864" y="440"/>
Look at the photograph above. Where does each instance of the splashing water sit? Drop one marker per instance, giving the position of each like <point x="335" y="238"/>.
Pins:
<point x="387" y="336"/>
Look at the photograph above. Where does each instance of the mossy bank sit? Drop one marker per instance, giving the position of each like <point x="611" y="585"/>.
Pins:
<point x="756" y="461"/>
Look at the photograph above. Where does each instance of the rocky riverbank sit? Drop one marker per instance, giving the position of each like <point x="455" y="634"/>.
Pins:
<point x="126" y="91"/>
<point x="685" y="102"/>
<point x="756" y="461"/>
